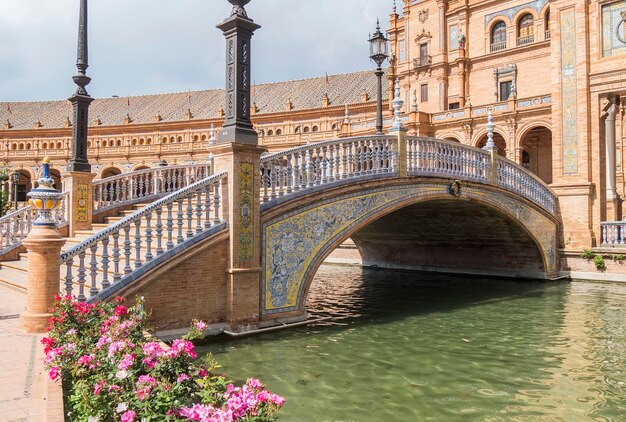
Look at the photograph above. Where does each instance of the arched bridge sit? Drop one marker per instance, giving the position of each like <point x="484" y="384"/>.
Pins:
<point x="238" y="242"/>
<point x="316" y="196"/>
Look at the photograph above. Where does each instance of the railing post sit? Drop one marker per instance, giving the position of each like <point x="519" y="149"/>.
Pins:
<point x="400" y="150"/>
<point x="492" y="149"/>
<point x="43" y="244"/>
<point x="80" y="203"/>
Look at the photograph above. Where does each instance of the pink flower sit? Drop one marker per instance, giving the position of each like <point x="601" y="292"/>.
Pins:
<point x="277" y="400"/>
<point x="121" y="310"/>
<point x="85" y="360"/>
<point x="126" y="362"/>
<point x="182" y="378"/>
<point x="183" y="347"/>
<point x="97" y="388"/>
<point x="201" y="325"/>
<point x="115" y="347"/>
<point x="54" y="373"/>
<point x="255" y="384"/>
<point x="128" y="416"/>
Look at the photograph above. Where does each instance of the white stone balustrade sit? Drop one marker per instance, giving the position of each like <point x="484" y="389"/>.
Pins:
<point x="323" y="163"/>
<point x="613" y="233"/>
<point x="432" y="157"/>
<point x="152" y="234"/>
<point x="515" y="178"/>
<point x="306" y="168"/>
<point x="137" y="186"/>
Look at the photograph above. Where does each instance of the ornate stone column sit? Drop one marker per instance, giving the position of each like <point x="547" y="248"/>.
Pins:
<point x="43" y="244"/>
<point x="609" y="137"/>
<point x="238" y="153"/>
<point x="398" y="130"/>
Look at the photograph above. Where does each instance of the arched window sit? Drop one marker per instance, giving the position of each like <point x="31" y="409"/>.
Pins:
<point x="498" y="37"/>
<point x="297" y="129"/>
<point x="270" y="132"/>
<point x="306" y="129"/>
<point x="315" y="129"/>
<point x="526" y="30"/>
<point x="279" y="132"/>
<point x="547" y="25"/>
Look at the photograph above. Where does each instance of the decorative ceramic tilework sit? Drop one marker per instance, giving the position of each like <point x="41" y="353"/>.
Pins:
<point x="568" y="87"/>
<point x="611" y="19"/>
<point x="246" y="227"/>
<point x="82" y="205"/>
<point x="294" y="242"/>
<point x="511" y="12"/>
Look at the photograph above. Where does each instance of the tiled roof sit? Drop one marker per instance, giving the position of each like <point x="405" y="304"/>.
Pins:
<point x="269" y="98"/>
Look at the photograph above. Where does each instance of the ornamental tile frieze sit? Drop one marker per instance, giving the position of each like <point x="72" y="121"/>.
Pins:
<point x="294" y="243"/>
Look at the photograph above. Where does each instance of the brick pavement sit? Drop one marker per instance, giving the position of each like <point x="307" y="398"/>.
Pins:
<point x="23" y="384"/>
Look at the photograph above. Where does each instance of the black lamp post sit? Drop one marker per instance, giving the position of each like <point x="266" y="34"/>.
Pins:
<point x="238" y="30"/>
<point x="379" y="53"/>
<point x="16" y="178"/>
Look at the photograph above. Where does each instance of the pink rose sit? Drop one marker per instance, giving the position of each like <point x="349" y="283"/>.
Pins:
<point x="128" y="416"/>
<point x="54" y="373"/>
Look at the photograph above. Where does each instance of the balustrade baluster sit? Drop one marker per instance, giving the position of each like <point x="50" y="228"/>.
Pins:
<point x="179" y="221"/>
<point x="159" y="231"/>
<point x="309" y="168"/>
<point x="105" y="263"/>
<point x="117" y="276"/>
<point x="198" y="212"/>
<point x="265" y="181"/>
<point x="217" y="186"/>
<point x="93" y="270"/>
<point x="127" y="250"/>
<point x="170" y="226"/>
<point x="297" y="174"/>
<point x="137" y="243"/>
<point x="281" y="178"/>
<point x="81" y="277"/>
<point x="324" y="166"/>
<point x="207" y="205"/>
<point x="317" y="168"/>
<point x="304" y="177"/>
<point x="149" y="255"/>
<point x="289" y="174"/>
<point x="334" y="163"/>
<point x="69" y="285"/>
<point x="189" y="216"/>
<point x="344" y="161"/>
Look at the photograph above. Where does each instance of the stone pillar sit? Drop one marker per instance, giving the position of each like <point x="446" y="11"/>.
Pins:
<point x="44" y="254"/>
<point x="611" y="192"/>
<point x="44" y="268"/>
<point x="242" y="210"/>
<point x="80" y="205"/>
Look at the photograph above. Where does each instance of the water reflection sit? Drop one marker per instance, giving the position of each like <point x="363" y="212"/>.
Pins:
<point x="404" y="347"/>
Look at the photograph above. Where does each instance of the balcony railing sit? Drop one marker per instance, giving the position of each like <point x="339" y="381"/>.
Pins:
<point x="613" y="233"/>
<point x="548" y="34"/>
<point x="528" y="39"/>
<point x="498" y="46"/>
<point x="423" y="61"/>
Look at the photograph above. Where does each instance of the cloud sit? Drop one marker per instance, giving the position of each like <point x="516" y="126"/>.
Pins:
<point x="146" y="46"/>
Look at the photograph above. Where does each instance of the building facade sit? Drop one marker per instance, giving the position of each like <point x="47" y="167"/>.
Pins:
<point x="553" y="72"/>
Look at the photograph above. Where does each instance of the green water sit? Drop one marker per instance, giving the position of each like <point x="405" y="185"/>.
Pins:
<point x="413" y="347"/>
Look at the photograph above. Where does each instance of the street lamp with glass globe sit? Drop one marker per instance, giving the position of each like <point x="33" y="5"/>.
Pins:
<point x="379" y="53"/>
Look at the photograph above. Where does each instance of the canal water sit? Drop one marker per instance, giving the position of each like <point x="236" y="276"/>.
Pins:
<point x="420" y="347"/>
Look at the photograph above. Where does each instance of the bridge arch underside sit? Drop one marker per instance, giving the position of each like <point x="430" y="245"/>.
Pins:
<point x="416" y="226"/>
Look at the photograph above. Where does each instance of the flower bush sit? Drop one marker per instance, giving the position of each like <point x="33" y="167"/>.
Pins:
<point x="113" y="372"/>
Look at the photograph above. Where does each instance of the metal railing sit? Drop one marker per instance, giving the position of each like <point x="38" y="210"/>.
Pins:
<point x="128" y="188"/>
<point x="515" y="178"/>
<point x="613" y="233"/>
<point x="548" y="35"/>
<point x="14" y="227"/>
<point x="319" y="164"/>
<point x="148" y="236"/>
<point x="432" y="157"/>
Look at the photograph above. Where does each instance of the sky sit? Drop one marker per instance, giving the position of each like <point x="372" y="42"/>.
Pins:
<point x="139" y="47"/>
